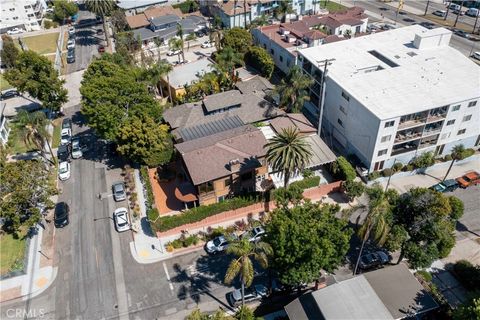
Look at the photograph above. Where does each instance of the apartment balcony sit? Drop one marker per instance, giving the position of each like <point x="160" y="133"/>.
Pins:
<point x="411" y="123"/>
<point x="430" y="132"/>
<point x="436" y="117"/>
<point x="405" y="147"/>
<point x="428" y="142"/>
<point x="404" y="137"/>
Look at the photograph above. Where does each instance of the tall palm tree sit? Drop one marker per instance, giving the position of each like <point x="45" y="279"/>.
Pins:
<point x="101" y="8"/>
<point x="227" y="60"/>
<point x="289" y="153"/>
<point x="242" y="265"/>
<point x="154" y="74"/>
<point x="176" y="44"/>
<point x="180" y="35"/>
<point x="458" y="153"/>
<point x="293" y="90"/>
<point x="158" y="43"/>
<point x="190" y="37"/>
<point x="376" y="224"/>
<point x="33" y="131"/>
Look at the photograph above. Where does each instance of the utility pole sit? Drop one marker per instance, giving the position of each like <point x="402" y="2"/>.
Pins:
<point x="426" y="8"/>
<point x="475" y="25"/>
<point x="400" y="6"/>
<point x="458" y="14"/>
<point x="390" y="177"/>
<point x="325" y="63"/>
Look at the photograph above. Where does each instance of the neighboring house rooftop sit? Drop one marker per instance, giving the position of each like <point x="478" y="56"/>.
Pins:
<point x="389" y="293"/>
<point x="137" y="21"/>
<point x="166" y="19"/>
<point x="222" y="100"/>
<point x="206" y="129"/>
<point x="143" y="19"/>
<point x="401" y="71"/>
<point x="257" y="85"/>
<point x="209" y="158"/>
<point x="296" y="120"/>
<point x="185" y="74"/>
<point x="132" y="4"/>
<point x="147" y="33"/>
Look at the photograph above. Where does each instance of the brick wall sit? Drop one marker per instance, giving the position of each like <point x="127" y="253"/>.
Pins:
<point x="253" y="211"/>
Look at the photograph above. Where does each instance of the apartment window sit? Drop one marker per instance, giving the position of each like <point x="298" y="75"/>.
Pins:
<point x="12" y="9"/>
<point x="264" y="46"/>
<point x="472" y="104"/>
<point x="456" y="108"/>
<point x="340" y="122"/>
<point x="206" y="187"/>
<point x="386" y="138"/>
<point x="15" y="18"/>
<point x="281" y="58"/>
<point x="389" y="124"/>
<point x="450" y="122"/>
<point x="446" y="135"/>
<point x="382" y="152"/>
<point x="467" y="118"/>
<point x="272" y="51"/>
<point x="221" y="199"/>
<point x="345" y="96"/>
<point x="342" y="109"/>
<point x="461" y="132"/>
<point x="228" y="182"/>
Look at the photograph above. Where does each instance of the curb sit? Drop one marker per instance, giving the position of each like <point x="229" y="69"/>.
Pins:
<point x="164" y="257"/>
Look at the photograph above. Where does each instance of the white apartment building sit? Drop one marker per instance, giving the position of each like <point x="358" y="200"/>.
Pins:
<point x="4" y="127"/>
<point x="395" y="94"/>
<point x="24" y="14"/>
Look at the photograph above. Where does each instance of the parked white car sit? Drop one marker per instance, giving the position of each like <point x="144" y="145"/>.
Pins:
<point x="66" y="136"/>
<point x="15" y="31"/>
<point x="71" y="44"/>
<point x="476" y="55"/>
<point x="173" y="52"/>
<point x="64" y="171"/>
<point x="254" y="235"/>
<point x="122" y="222"/>
<point x="76" y="149"/>
<point x="207" y="44"/>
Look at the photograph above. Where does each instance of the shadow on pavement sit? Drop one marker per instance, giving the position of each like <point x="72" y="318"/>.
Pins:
<point x="463" y="228"/>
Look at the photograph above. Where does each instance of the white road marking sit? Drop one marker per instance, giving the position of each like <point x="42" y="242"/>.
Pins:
<point x="168" y="276"/>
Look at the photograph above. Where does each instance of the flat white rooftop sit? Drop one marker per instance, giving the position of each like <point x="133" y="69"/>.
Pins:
<point x="391" y="77"/>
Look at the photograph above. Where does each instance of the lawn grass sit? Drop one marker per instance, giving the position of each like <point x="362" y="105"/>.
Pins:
<point x="42" y="44"/>
<point x="332" y="6"/>
<point x="57" y="128"/>
<point x="4" y="85"/>
<point x="12" y="252"/>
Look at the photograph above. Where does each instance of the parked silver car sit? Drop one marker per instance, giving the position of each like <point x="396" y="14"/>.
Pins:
<point x="256" y="292"/>
<point x="118" y="190"/>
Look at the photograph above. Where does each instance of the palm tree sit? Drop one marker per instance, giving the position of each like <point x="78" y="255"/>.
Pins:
<point x="156" y="72"/>
<point x="176" y="44"/>
<point x="289" y="153"/>
<point x="376" y="224"/>
<point x="101" y="8"/>
<point x="242" y="265"/>
<point x="284" y="9"/>
<point x="190" y="37"/>
<point x="293" y="90"/>
<point x="227" y="60"/>
<point x="181" y="42"/>
<point x="33" y="131"/>
<point x="158" y="43"/>
<point x="458" y="153"/>
<point x="216" y="36"/>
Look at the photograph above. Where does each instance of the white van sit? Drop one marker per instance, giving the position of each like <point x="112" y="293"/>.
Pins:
<point x="456" y="7"/>
<point x="472" y="12"/>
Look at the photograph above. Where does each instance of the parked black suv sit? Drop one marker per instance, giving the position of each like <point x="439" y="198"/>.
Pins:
<point x="61" y="215"/>
<point x="63" y="153"/>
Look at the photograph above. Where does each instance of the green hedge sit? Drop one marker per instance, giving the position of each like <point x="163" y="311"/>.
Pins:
<point x="343" y="170"/>
<point x="187" y="6"/>
<point x="307" y="182"/>
<point x="146" y="183"/>
<point x="202" y="212"/>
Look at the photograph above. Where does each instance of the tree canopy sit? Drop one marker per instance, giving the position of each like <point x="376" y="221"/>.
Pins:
<point x="10" y="52"/>
<point x="292" y="92"/>
<point x="306" y="239"/>
<point x="25" y="186"/>
<point x="238" y="39"/>
<point x="260" y="59"/>
<point x="63" y="9"/>
<point x="34" y="73"/>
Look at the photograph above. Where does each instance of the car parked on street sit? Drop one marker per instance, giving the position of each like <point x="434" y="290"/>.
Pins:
<point x="66" y="136"/>
<point x="461" y="33"/>
<point x="476" y="55"/>
<point x="64" y="171"/>
<point x="60" y="215"/>
<point x="71" y="56"/>
<point x="101" y="48"/>
<point x="253" y="293"/>
<point x="445" y="186"/>
<point x="63" y="152"/>
<point x="71" y="31"/>
<point x="67" y="123"/>
<point x="469" y="179"/>
<point x="10" y="93"/>
<point x="173" y="52"/>
<point x="473" y="12"/>
<point x="118" y="190"/>
<point x="373" y="260"/>
<point x="254" y="235"/>
<point x="77" y="152"/>
<point x="15" y="31"/>
<point x="218" y="244"/>
<point x="207" y="44"/>
<point x="71" y="44"/>
<point x="440" y="13"/>
<point x="122" y="221"/>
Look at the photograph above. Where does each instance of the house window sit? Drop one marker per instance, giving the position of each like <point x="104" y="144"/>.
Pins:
<point x="389" y="124"/>
<point x="450" y="122"/>
<point x="467" y="118"/>
<point x="345" y="96"/>
<point x="357" y="29"/>
<point x="272" y="52"/>
<point x="386" y="138"/>
<point x="221" y="199"/>
<point x="382" y="152"/>
<point x="456" y="108"/>
<point x="472" y="104"/>
<point x="206" y="187"/>
<point x="281" y="58"/>
<point x="342" y="109"/>
<point x="340" y="122"/>
<point x="461" y="132"/>
<point x="228" y="182"/>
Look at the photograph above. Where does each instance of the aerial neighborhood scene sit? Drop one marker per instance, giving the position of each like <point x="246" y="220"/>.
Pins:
<point x="240" y="159"/>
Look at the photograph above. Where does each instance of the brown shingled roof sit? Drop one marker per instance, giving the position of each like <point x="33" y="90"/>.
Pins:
<point x="154" y="12"/>
<point x="137" y="21"/>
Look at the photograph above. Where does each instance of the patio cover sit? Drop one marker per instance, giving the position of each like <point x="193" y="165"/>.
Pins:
<point x="321" y="152"/>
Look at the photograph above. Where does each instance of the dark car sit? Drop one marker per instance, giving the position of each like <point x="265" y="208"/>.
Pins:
<point x="71" y="56"/>
<point x="63" y="153"/>
<point x="373" y="260"/>
<point x="67" y="123"/>
<point x="61" y="215"/>
<point x="9" y="94"/>
<point x="100" y="32"/>
<point x="445" y="186"/>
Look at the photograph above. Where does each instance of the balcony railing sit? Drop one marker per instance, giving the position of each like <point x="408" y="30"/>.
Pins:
<point x="411" y="123"/>
<point x="436" y="117"/>
<point x="432" y="131"/>
<point x="404" y="149"/>
<point x="406" y="137"/>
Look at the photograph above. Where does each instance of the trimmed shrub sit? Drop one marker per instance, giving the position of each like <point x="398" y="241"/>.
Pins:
<point x="343" y="170"/>
<point x="260" y="59"/>
<point x="374" y="175"/>
<point x="448" y="157"/>
<point x="407" y="168"/>
<point x="467" y="274"/>
<point x="425" y="275"/>
<point x="47" y="24"/>
<point x="424" y="160"/>
<point x="307" y="183"/>
<point x="457" y="207"/>
<point x="353" y="189"/>
<point x="398" y="166"/>
<point x="468" y="153"/>
<point x="387" y="172"/>
<point x="307" y="173"/>
<point x="202" y="212"/>
<point x="146" y="183"/>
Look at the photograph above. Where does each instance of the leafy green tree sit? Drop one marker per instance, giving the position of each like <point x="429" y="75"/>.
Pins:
<point x="101" y="8"/>
<point x="63" y="9"/>
<point x="306" y="239"/>
<point x="458" y="153"/>
<point x="143" y="140"/>
<point x="288" y="153"/>
<point x="343" y="170"/>
<point x="176" y="44"/>
<point x="469" y="310"/>
<point x="284" y="196"/>
<point x="25" y="185"/>
<point x="33" y="131"/>
<point x="189" y="38"/>
<point x="429" y="221"/>
<point x="112" y="93"/>
<point x="240" y="40"/>
<point x="259" y="22"/>
<point x="259" y="59"/>
<point x="227" y="60"/>
<point x="156" y="72"/>
<point x="119" y="21"/>
<point x="242" y="264"/>
<point x="292" y="92"/>
<point x="245" y="313"/>
<point x="198" y="315"/>
<point x="284" y="9"/>
<point x="353" y="189"/>
<point x="34" y="73"/>
<point x="457" y="207"/>
<point x="10" y="52"/>
<point x="424" y="160"/>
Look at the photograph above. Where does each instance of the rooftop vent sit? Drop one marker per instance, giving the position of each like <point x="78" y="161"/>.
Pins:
<point x="411" y="54"/>
<point x="382" y="58"/>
